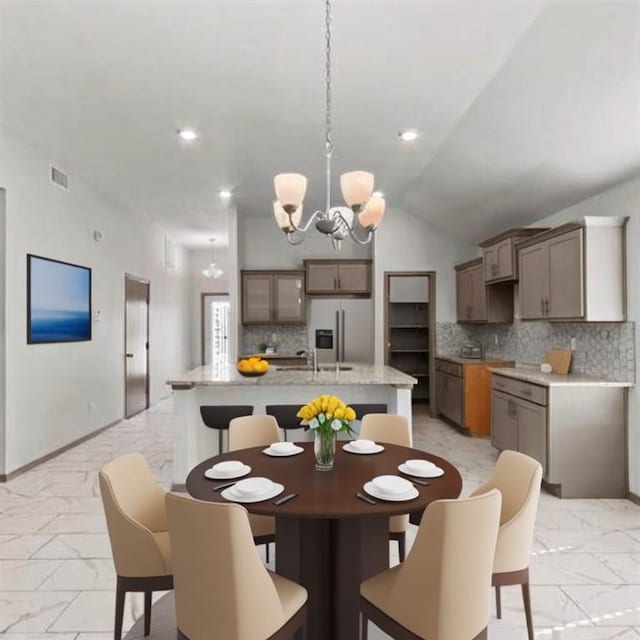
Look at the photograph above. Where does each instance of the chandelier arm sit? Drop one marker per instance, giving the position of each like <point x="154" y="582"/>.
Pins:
<point x="304" y="229"/>
<point x="294" y="238"/>
<point x="351" y="231"/>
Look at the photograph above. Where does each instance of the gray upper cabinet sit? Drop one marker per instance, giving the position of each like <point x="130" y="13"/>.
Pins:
<point x="499" y="254"/>
<point x="574" y="272"/>
<point x="338" y="277"/>
<point x="273" y="297"/>
<point x="476" y="302"/>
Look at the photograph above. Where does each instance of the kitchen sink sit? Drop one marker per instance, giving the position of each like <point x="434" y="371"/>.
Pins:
<point x="321" y="368"/>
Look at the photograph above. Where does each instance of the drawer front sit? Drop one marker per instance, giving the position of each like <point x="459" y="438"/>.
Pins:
<point x="451" y="368"/>
<point x="520" y="389"/>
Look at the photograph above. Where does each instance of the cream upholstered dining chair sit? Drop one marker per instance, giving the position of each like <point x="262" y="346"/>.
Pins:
<point x="222" y="589"/>
<point x="394" y="429"/>
<point x="137" y="523"/>
<point x="256" y="431"/>
<point x="253" y="431"/>
<point x="441" y="591"/>
<point x="518" y="477"/>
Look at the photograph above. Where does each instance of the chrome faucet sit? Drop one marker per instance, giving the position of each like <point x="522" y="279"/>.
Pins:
<point x="312" y="360"/>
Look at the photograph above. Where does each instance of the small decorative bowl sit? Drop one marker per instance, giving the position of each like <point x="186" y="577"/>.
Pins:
<point x="252" y="374"/>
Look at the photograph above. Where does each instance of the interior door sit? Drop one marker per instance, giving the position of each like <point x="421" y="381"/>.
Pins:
<point x="136" y="345"/>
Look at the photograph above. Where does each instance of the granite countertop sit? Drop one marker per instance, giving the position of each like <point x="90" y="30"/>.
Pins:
<point x="360" y="374"/>
<point x="531" y="373"/>
<point x="276" y="356"/>
<point x="488" y="361"/>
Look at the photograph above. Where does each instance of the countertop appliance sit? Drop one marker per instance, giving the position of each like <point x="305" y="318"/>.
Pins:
<point x="344" y="327"/>
<point x="471" y="351"/>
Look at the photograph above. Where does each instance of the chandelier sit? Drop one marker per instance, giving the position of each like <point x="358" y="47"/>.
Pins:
<point x="212" y="271"/>
<point x="364" y="212"/>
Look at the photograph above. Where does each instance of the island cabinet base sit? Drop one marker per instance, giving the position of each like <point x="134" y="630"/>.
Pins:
<point x="576" y="432"/>
<point x="194" y="442"/>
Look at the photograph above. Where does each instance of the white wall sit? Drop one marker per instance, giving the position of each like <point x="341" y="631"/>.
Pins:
<point x="50" y="387"/>
<point x="623" y="200"/>
<point x="407" y="243"/>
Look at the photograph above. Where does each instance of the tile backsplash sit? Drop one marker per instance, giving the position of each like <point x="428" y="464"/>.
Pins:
<point x="288" y="338"/>
<point x="605" y="349"/>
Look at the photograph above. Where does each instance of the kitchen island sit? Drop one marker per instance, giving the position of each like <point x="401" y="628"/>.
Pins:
<point x="224" y="385"/>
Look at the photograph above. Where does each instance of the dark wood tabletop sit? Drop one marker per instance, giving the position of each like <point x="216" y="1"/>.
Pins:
<point x="329" y="494"/>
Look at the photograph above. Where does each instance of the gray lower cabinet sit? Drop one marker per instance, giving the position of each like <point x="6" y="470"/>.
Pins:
<point x="449" y="391"/>
<point x="576" y="431"/>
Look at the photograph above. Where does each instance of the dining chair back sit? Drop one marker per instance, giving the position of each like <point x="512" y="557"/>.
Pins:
<point x="518" y="477"/>
<point x="441" y="591"/>
<point x="136" y="520"/>
<point x="222" y="589"/>
<point x="256" y="431"/>
<point x="253" y="431"/>
<point x="394" y="429"/>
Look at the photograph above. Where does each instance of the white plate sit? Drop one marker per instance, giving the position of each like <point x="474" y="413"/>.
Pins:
<point x="390" y="485"/>
<point x="349" y="449"/>
<point x="229" y="494"/>
<point x="370" y="488"/>
<point x="295" y="452"/>
<point x="436" y="472"/>
<point x="217" y="475"/>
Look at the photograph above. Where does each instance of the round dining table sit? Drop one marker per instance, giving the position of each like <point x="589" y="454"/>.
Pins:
<point x="328" y="539"/>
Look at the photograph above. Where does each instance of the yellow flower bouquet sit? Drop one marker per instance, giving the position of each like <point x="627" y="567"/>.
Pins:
<point x="326" y="416"/>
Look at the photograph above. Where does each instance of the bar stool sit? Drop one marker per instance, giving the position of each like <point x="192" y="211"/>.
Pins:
<point x="285" y="414"/>
<point x="218" y="416"/>
<point x="364" y="408"/>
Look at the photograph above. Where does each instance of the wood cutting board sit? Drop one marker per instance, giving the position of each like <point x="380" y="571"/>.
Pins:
<point x="560" y="360"/>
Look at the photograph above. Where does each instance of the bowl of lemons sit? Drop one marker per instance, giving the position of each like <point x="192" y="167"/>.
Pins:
<point x="252" y="367"/>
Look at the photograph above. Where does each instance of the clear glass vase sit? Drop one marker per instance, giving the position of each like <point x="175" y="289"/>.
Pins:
<point x="324" y="448"/>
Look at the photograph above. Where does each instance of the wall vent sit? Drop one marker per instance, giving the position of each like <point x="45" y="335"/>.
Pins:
<point x="59" y="178"/>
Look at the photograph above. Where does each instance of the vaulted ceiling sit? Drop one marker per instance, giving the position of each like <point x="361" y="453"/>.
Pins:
<point x="524" y="106"/>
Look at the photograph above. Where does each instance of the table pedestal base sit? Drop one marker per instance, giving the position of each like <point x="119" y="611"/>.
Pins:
<point x="330" y="558"/>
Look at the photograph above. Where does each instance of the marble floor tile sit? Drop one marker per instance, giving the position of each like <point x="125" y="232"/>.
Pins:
<point x="625" y="565"/>
<point x="32" y="611"/>
<point x="18" y="546"/>
<point x="571" y="568"/>
<point x="26" y="575"/>
<point x="94" y="611"/>
<point x="76" y="523"/>
<point x="40" y="636"/>
<point x="57" y="504"/>
<point x="82" y="575"/>
<point x="25" y="523"/>
<point x="608" y="605"/>
<point x="550" y="606"/>
<point x="580" y="541"/>
<point x="76" y="545"/>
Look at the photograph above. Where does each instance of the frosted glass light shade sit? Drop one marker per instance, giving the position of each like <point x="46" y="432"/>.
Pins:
<point x="282" y="217"/>
<point x="290" y="189"/>
<point x="372" y="214"/>
<point x="357" y="187"/>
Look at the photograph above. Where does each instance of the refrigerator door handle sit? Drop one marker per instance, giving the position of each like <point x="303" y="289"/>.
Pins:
<point x="338" y="336"/>
<point x="342" y="335"/>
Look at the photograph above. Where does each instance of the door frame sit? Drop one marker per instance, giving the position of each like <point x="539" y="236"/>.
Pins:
<point x="431" y="276"/>
<point x="147" y="282"/>
<point x="203" y="295"/>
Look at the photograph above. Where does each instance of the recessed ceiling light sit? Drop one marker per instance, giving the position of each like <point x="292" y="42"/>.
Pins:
<point x="188" y="134"/>
<point x="377" y="194"/>
<point x="408" y="135"/>
<point x="224" y="193"/>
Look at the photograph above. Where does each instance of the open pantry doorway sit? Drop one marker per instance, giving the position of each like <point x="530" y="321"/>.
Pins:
<point x="409" y="325"/>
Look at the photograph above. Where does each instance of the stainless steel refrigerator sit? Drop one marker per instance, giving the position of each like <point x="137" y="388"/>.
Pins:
<point x="351" y="324"/>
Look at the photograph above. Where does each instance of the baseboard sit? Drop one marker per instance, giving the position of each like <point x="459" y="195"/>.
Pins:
<point x="5" y="477"/>
<point x="634" y="497"/>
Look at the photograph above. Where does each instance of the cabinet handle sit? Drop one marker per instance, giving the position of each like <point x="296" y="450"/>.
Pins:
<point x="335" y="282"/>
<point x="546" y="306"/>
<point x="526" y="392"/>
<point x="542" y="306"/>
<point x="339" y="284"/>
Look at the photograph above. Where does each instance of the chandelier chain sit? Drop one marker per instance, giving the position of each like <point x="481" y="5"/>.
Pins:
<point x="327" y="102"/>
